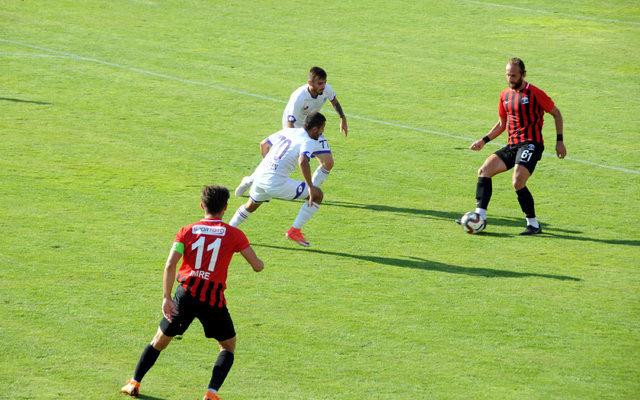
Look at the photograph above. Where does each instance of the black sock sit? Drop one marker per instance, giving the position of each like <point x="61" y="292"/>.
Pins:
<point x="221" y="369"/>
<point x="483" y="192"/>
<point x="526" y="202"/>
<point x="147" y="359"/>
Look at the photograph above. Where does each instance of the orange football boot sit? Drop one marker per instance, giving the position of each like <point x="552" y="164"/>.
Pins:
<point x="211" y="396"/>
<point x="132" y="388"/>
<point x="297" y="236"/>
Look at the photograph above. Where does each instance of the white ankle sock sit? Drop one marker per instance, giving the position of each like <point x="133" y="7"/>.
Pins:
<point x="533" y="222"/>
<point x="482" y="212"/>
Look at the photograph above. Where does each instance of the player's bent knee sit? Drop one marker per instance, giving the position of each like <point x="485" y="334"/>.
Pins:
<point x="251" y="206"/>
<point x="518" y="183"/>
<point x="160" y="340"/>
<point x="484" y="172"/>
<point x="228" y="345"/>
<point x="492" y="166"/>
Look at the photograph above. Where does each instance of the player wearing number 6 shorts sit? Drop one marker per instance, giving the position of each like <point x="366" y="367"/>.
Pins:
<point x="282" y="151"/>
<point x="521" y="112"/>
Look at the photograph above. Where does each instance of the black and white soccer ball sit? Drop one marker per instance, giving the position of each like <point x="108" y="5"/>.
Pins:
<point x="472" y="222"/>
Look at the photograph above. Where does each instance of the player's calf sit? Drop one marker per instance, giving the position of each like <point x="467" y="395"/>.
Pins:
<point x="319" y="175"/>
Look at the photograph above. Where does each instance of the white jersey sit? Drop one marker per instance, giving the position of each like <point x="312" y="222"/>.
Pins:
<point x="281" y="160"/>
<point x="301" y="104"/>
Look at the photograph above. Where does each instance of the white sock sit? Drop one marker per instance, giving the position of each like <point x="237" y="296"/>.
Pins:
<point x="533" y="222"/>
<point x="305" y="214"/>
<point x="240" y="216"/>
<point x="319" y="175"/>
<point x="482" y="212"/>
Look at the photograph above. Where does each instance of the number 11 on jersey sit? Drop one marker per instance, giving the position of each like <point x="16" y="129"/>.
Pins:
<point x="214" y="248"/>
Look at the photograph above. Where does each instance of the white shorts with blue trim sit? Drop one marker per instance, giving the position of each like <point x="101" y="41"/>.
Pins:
<point x="289" y="190"/>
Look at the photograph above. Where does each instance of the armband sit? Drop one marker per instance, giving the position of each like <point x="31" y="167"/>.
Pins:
<point x="559" y="138"/>
<point x="178" y="247"/>
<point x="486" y="139"/>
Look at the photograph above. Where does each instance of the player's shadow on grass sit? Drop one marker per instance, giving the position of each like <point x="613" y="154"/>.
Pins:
<point x="428" y="265"/>
<point x="145" y="397"/>
<point x="41" y="103"/>
<point x="548" y="230"/>
<point x="623" y="242"/>
<point x="432" y="214"/>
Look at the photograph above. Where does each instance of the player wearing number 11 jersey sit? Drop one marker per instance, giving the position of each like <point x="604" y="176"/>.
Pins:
<point x="521" y="112"/>
<point x="206" y="248"/>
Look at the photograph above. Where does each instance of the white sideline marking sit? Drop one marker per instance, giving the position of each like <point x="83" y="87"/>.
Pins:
<point x="32" y="55"/>
<point x="145" y="2"/>
<point x="273" y="99"/>
<point x="560" y="14"/>
<point x="142" y="71"/>
<point x="411" y="128"/>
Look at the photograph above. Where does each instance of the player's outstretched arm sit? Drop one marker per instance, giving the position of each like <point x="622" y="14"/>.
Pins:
<point x="561" y="150"/>
<point x="252" y="258"/>
<point x="344" y="128"/>
<point x="496" y="131"/>
<point x="168" y="276"/>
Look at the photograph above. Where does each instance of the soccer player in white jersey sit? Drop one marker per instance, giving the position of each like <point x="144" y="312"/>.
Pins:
<point x="307" y="99"/>
<point x="282" y="152"/>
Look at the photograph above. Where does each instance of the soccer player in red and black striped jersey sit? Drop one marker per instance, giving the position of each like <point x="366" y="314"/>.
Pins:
<point x="206" y="248"/>
<point x="521" y="112"/>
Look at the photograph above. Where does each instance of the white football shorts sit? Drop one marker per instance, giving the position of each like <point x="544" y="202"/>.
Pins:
<point x="289" y="190"/>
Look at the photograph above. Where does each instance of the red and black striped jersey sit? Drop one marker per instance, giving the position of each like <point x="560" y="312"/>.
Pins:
<point x="524" y="111"/>
<point x="207" y="247"/>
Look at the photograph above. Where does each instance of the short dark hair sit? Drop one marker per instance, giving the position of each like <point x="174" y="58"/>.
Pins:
<point x="317" y="73"/>
<point x="517" y="61"/>
<point x="315" y="119"/>
<point x="215" y="198"/>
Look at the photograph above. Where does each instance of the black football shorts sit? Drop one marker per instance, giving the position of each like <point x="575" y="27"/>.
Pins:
<point x="525" y="154"/>
<point x="216" y="321"/>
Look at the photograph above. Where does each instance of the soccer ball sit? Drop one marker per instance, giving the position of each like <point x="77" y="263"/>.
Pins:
<point x="472" y="222"/>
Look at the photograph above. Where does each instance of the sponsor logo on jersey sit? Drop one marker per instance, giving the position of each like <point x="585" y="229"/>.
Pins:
<point x="524" y="100"/>
<point x="531" y="147"/>
<point x="209" y="230"/>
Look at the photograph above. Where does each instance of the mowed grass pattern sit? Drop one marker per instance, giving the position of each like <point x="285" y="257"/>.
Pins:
<point x="114" y="115"/>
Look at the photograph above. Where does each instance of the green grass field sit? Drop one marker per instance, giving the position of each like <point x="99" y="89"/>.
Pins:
<point x="113" y="115"/>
